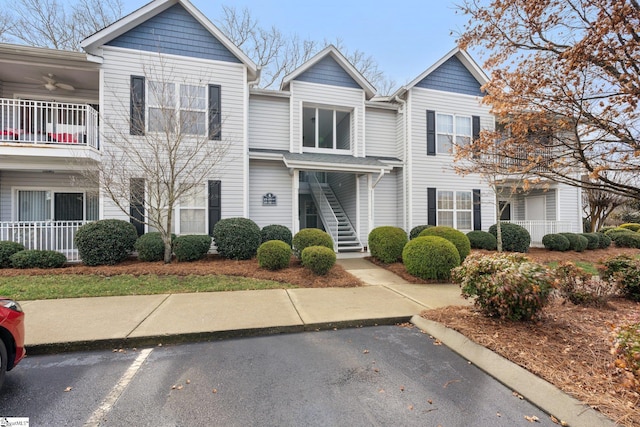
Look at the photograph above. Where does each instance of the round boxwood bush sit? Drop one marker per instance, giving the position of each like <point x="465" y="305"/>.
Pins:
<point x="577" y="242"/>
<point x="556" y="242"/>
<point x="514" y="237"/>
<point x="310" y="237"/>
<point x="38" y="259"/>
<point x="633" y="226"/>
<point x="593" y="240"/>
<point x="626" y="240"/>
<point x="274" y="255"/>
<point x="191" y="247"/>
<point x="8" y="248"/>
<point x="482" y="240"/>
<point x="276" y="232"/>
<point x="456" y="237"/>
<point x="237" y="238"/>
<point x="386" y="243"/>
<point x="415" y="231"/>
<point x="108" y="241"/>
<point x="150" y="247"/>
<point x="604" y="240"/>
<point x="430" y="257"/>
<point x="318" y="259"/>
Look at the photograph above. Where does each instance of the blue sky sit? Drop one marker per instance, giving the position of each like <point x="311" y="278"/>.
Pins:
<point x="404" y="36"/>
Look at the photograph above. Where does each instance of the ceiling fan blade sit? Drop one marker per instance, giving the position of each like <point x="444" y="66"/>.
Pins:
<point x="49" y="79"/>
<point x="65" y="86"/>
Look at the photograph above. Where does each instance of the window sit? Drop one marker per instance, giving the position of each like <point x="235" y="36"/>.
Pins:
<point x="326" y="129"/>
<point x="193" y="109"/>
<point x="450" y="128"/>
<point x="455" y="209"/>
<point x="189" y="213"/>
<point x="49" y="205"/>
<point x="162" y="107"/>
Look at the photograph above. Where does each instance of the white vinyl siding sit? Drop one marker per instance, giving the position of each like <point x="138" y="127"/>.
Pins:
<point x="269" y="123"/>
<point x="438" y="171"/>
<point x="386" y="201"/>
<point x="381" y="133"/>
<point x="118" y="67"/>
<point x="270" y="177"/>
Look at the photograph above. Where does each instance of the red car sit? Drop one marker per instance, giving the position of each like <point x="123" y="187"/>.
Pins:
<point x="11" y="335"/>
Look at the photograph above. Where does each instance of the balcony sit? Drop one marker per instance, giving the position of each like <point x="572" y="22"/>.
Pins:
<point x="48" y="123"/>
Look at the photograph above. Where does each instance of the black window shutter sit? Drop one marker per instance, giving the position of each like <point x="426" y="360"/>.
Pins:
<point x="136" y="204"/>
<point x="431" y="133"/>
<point x="475" y="125"/>
<point x="432" y="206"/>
<point x="477" y="220"/>
<point x="214" y="204"/>
<point x="136" y="127"/>
<point x="215" y="131"/>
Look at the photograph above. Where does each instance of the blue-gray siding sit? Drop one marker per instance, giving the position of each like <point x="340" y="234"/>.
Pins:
<point x="327" y="71"/>
<point x="175" y="31"/>
<point x="452" y="76"/>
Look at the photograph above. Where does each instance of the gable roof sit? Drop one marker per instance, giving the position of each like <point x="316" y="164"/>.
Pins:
<point x="458" y="54"/>
<point x="154" y="8"/>
<point x="333" y="53"/>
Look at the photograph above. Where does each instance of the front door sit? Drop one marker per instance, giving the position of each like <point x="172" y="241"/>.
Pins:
<point x="535" y="208"/>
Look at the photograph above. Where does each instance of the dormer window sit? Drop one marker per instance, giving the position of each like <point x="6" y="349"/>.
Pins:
<point x="326" y="129"/>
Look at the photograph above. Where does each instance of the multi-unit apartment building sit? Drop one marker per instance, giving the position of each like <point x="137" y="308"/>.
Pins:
<point x="322" y="151"/>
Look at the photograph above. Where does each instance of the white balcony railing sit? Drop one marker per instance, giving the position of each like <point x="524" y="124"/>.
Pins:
<point x="45" y="122"/>
<point x="44" y="235"/>
<point x="326" y="212"/>
<point x="538" y="229"/>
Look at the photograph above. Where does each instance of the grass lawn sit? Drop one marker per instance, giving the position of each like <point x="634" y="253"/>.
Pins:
<point x="589" y="267"/>
<point x="75" y="285"/>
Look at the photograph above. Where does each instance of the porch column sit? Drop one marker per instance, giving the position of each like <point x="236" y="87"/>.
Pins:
<point x="371" y="201"/>
<point x="295" y="202"/>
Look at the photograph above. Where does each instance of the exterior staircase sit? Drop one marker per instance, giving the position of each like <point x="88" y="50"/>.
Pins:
<point x="347" y="237"/>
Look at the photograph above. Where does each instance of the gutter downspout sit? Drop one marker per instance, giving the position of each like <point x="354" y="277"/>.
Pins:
<point x="256" y="82"/>
<point x="404" y="159"/>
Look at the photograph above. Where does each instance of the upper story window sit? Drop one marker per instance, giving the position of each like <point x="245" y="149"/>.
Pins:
<point x="452" y="129"/>
<point x="326" y="129"/>
<point x="172" y="107"/>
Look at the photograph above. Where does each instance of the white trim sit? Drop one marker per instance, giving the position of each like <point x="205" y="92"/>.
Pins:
<point x="245" y="148"/>
<point x="332" y="51"/>
<point x="270" y="92"/>
<point x="51" y="97"/>
<point x="53" y="190"/>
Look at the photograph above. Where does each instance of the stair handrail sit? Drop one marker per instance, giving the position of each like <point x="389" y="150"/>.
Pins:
<point x="327" y="215"/>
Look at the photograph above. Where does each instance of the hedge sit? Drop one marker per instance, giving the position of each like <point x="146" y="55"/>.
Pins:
<point x="430" y="257"/>
<point x="514" y="237"/>
<point x="386" y="243"/>
<point x="237" y="238"/>
<point x="456" y="237"/>
<point x="191" y="247"/>
<point x="105" y="242"/>
<point x="310" y="237"/>
<point x="274" y="255"/>
<point x="482" y="240"/>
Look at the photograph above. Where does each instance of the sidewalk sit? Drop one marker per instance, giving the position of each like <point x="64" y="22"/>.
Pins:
<point x="134" y="321"/>
<point x="150" y="320"/>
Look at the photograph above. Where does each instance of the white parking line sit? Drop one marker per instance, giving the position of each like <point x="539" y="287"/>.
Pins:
<point x="121" y="385"/>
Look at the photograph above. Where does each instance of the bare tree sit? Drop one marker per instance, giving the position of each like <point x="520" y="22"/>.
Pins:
<point x="57" y="24"/>
<point x="279" y="54"/>
<point x="148" y="169"/>
<point x="599" y="204"/>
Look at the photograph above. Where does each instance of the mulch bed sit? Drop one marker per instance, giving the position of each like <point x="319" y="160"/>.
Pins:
<point x="296" y="274"/>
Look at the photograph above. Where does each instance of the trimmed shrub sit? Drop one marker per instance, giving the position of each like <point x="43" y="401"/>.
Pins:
<point x="386" y="243"/>
<point x="108" y="241"/>
<point x="274" y="255"/>
<point x="276" y="232"/>
<point x="577" y="242"/>
<point x="37" y="259"/>
<point x="556" y="242"/>
<point x="430" y="257"/>
<point x="318" y="259"/>
<point x="415" y="231"/>
<point x="626" y="273"/>
<point x="8" y="248"/>
<point x="593" y="241"/>
<point x="456" y="237"/>
<point x="191" y="247"/>
<point x="237" y="238"/>
<point x="482" y="240"/>
<point x="611" y="232"/>
<point x="310" y="237"/>
<point x="514" y="237"/>
<point x="633" y="226"/>
<point x="604" y="240"/>
<point x="628" y="239"/>
<point x="606" y="228"/>
<point x="506" y="286"/>
<point x="150" y="247"/>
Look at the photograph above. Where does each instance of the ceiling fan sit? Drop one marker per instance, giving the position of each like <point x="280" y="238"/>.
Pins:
<point x="51" y="84"/>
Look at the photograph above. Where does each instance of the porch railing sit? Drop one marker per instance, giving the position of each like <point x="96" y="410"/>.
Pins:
<point x="539" y="228"/>
<point x="49" y="235"/>
<point x="326" y="212"/>
<point x="45" y="122"/>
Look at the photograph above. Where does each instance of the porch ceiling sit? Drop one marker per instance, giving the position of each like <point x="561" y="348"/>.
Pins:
<point x="27" y="65"/>
<point x="334" y="162"/>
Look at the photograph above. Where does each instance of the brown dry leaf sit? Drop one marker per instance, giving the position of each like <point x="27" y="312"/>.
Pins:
<point x="188" y="381"/>
<point x="411" y="407"/>
<point x="401" y="388"/>
<point x="437" y="342"/>
<point x="215" y="390"/>
<point x="430" y="402"/>
<point x="498" y="414"/>
<point x="366" y="352"/>
<point x="68" y="389"/>
<point x="381" y="390"/>
<point x="532" y="419"/>
<point x="554" y="419"/>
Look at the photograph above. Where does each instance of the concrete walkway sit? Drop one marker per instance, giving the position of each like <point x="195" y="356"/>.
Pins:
<point x="151" y="320"/>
